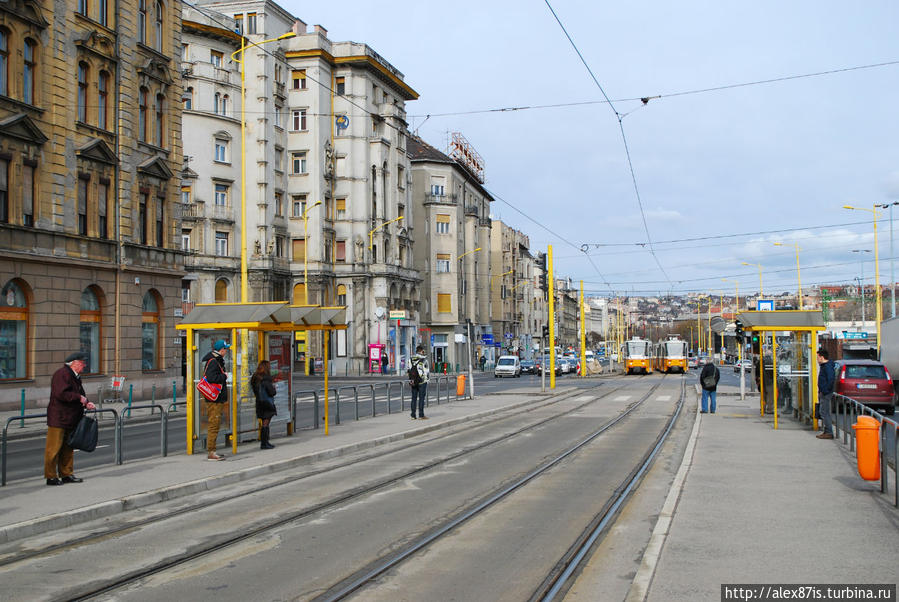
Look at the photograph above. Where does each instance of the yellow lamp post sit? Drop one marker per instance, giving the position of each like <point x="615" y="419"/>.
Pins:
<point x="490" y="289"/>
<point x="873" y="211"/>
<point x="798" y="274"/>
<point x="737" y="288"/>
<point x="372" y="232"/>
<point x="759" y="266"/>
<point x="470" y="367"/>
<point x="305" y="217"/>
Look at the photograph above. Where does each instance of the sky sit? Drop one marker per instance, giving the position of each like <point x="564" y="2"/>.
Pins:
<point x="745" y="160"/>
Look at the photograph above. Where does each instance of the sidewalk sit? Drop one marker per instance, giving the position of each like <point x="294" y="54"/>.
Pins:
<point x="30" y="507"/>
<point x="764" y="506"/>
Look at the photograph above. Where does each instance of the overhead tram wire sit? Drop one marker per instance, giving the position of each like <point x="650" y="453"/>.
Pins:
<point x="627" y="151"/>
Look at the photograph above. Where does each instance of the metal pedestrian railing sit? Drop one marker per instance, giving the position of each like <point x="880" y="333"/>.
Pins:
<point x="846" y="414"/>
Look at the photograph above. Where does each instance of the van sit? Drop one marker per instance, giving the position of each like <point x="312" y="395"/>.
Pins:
<point x="507" y="365"/>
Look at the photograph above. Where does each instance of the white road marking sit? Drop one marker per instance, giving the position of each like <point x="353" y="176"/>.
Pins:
<point x="98" y="447"/>
<point x="663" y="398"/>
<point x="622" y="398"/>
<point x="585" y="398"/>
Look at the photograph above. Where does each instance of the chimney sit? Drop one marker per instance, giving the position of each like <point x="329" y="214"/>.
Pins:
<point x="321" y="30"/>
<point x="299" y="27"/>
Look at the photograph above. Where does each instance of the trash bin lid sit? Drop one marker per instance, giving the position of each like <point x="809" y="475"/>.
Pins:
<point x="866" y="423"/>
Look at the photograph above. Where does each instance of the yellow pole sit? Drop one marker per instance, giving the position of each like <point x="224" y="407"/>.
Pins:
<point x="877" y="281"/>
<point x="814" y="376"/>
<point x="699" y="324"/>
<point x="583" y="336"/>
<point x="552" y="320"/>
<point x="190" y="391"/>
<point x="325" y="353"/>
<point x="774" y="376"/>
<point x="243" y="175"/>
<point x="798" y="275"/>
<point x="306" y="341"/>
<point x="761" y="374"/>
<point x="234" y="391"/>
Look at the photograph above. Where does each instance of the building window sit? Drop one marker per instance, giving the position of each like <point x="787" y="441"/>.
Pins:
<point x="216" y="103"/>
<point x="279" y="116"/>
<point x="299" y="79"/>
<point x="4" y="62"/>
<point x="27" y="193"/>
<point x="443" y="223"/>
<point x="90" y="330"/>
<point x="82" y="92"/>
<point x="444" y="303"/>
<point x="341" y="208"/>
<point x="142" y="114"/>
<point x="4" y="191"/>
<point x="400" y="177"/>
<point x="188" y="99"/>
<point x="160" y="230"/>
<point x="102" y="207"/>
<point x="142" y="219"/>
<point x="279" y="204"/>
<point x="142" y="21"/>
<point x="443" y="263"/>
<point x="238" y="23"/>
<point x="279" y="159"/>
<point x="160" y="120"/>
<point x="437" y="190"/>
<point x="215" y="57"/>
<point x="251" y="23"/>
<point x="30" y="68"/>
<point x="83" y="182"/>
<point x="298" y="162"/>
<point x="13" y="332"/>
<point x="186" y="195"/>
<point x="150" y="333"/>
<point x="221" y="150"/>
<point x="102" y="100"/>
<point x="158" y="26"/>
<point x="298" y="204"/>
<point x="299" y="249"/>
<point x="299" y="120"/>
<point x="340" y="252"/>
<point x="221" y="195"/>
<point x="279" y="246"/>
<point x="224" y="107"/>
<point x="185" y="52"/>
<point x="185" y="242"/>
<point x="83" y="7"/>
<point x="221" y="244"/>
<point x="185" y="292"/>
<point x="299" y="294"/>
<point x="103" y="15"/>
<point x="221" y="291"/>
<point x="329" y="245"/>
<point x="341" y="294"/>
<point x="340" y="84"/>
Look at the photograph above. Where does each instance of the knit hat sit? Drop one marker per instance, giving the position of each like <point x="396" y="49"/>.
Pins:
<point x="221" y="344"/>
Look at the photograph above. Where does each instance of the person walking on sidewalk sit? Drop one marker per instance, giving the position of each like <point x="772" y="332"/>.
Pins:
<point x="482" y="362"/>
<point x="708" y="380"/>
<point x="826" y="375"/>
<point x="215" y="374"/>
<point x="419" y="374"/>
<point x="264" y="389"/>
<point x="66" y="407"/>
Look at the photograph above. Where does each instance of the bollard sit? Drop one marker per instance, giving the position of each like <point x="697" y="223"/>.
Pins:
<point x="153" y="399"/>
<point x="174" y="407"/>
<point x="22" y="422"/>
<point x="867" y="434"/>
<point x="130" y="398"/>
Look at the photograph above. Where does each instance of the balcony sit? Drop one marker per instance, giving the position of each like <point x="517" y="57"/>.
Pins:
<point x="192" y="210"/>
<point x="445" y="199"/>
<point x="280" y="89"/>
<point x="485" y="222"/>
<point x="471" y="210"/>
<point x="222" y="213"/>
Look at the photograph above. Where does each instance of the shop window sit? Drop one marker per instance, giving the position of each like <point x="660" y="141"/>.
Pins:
<point x="13" y="331"/>
<point x="90" y="330"/>
<point x="150" y="324"/>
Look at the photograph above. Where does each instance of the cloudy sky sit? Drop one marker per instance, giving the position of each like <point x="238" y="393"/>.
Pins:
<point x="744" y="160"/>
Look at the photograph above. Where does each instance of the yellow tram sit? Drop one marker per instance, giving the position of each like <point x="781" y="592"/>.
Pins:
<point x="637" y="356"/>
<point x="671" y="355"/>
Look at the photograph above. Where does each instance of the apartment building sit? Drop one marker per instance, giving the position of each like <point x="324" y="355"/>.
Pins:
<point x="90" y="145"/>
<point x="451" y="253"/>
<point x="513" y="278"/>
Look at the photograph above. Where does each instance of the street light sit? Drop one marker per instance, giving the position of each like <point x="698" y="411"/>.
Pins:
<point x="861" y="281"/>
<point x="468" y="323"/>
<point x="739" y="342"/>
<point x="490" y="289"/>
<point x="371" y="233"/>
<point x="761" y="294"/>
<point x="737" y="287"/>
<point x="892" y="273"/>
<point x="873" y="211"/>
<point x="305" y="217"/>
<point x="798" y="275"/>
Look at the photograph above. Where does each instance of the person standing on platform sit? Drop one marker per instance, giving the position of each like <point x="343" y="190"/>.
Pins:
<point x="385" y="362"/>
<point x="826" y="375"/>
<point x="419" y="374"/>
<point x="265" y="391"/>
<point x="214" y="370"/>
<point x="66" y="407"/>
<point x="708" y="380"/>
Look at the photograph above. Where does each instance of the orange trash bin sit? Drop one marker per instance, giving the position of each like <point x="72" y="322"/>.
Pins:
<point x="867" y="447"/>
<point x="460" y="385"/>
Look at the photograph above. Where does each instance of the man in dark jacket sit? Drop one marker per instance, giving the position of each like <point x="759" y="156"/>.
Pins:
<point x="214" y="370"/>
<point x="826" y="375"/>
<point x="66" y="407"/>
<point x="708" y="380"/>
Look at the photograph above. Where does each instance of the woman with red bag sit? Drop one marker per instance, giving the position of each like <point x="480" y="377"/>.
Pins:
<point x="214" y="372"/>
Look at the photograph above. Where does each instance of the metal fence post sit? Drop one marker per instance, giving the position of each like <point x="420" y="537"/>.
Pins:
<point x="22" y="422"/>
<point x="315" y="414"/>
<point x="373" y="408"/>
<point x="130" y="397"/>
<point x="884" y="478"/>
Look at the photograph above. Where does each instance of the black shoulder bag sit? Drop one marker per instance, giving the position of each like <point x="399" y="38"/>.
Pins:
<point x="85" y="435"/>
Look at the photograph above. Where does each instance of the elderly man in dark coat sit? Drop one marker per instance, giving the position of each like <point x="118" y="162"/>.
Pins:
<point x="66" y="407"/>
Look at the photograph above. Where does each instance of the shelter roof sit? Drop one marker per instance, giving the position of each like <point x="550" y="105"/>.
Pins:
<point x="238" y="313"/>
<point x="782" y="320"/>
<point x="315" y="315"/>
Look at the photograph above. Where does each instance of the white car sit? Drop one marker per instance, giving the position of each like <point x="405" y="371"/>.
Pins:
<point x="507" y="365"/>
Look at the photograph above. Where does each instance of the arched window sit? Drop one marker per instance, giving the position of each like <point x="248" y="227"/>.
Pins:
<point x="158" y="26"/>
<point x="221" y="291"/>
<point x="341" y="294"/>
<point x="29" y="70"/>
<point x="13" y="331"/>
<point x="4" y="62"/>
<point x="150" y="325"/>
<point x="216" y="103"/>
<point x="142" y="115"/>
<point x="160" y="118"/>
<point x="90" y="330"/>
<point x="299" y="294"/>
<point x="102" y="100"/>
<point x="188" y="99"/>
<point x="83" y="72"/>
<point x="225" y="104"/>
<point x="142" y="21"/>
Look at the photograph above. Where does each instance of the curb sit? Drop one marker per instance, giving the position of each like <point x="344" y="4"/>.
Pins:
<point x="37" y="526"/>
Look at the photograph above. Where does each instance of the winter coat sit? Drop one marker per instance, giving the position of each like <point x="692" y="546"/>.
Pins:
<point x="826" y="376"/>
<point x="65" y="409"/>
<point x="215" y="373"/>
<point x="707" y="370"/>
<point x="264" y="410"/>
<point x="421" y="363"/>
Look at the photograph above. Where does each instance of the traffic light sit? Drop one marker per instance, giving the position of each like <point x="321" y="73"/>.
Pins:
<point x="738" y="325"/>
<point x="545" y="331"/>
<point x="755" y="339"/>
<point x="544" y="276"/>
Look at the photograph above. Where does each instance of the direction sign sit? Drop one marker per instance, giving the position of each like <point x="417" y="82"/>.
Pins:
<point x="764" y="305"/>
<point x="487" y="339"/>
<point x="398" y="314"/>
<point x="854" y="335"/>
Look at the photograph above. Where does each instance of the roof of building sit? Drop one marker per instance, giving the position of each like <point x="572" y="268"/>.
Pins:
<point x="420" y="151"/>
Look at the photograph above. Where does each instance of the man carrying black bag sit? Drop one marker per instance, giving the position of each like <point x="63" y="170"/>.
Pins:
<point x="66" y="407"/>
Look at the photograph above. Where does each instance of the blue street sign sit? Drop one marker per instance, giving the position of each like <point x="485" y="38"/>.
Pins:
<point x="764" y="305"/>
<point x="855" y="335"/>
<point x="432" y="340"/>
<point x="487" y="339"/>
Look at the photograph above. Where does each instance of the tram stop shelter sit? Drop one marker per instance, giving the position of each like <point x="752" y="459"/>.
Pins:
<point x="787" y="352"/>
<point x="275" y="323"/>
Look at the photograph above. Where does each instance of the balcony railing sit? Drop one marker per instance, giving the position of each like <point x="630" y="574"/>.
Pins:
<point x="222" y="212"/>
<point x="191" y="210"/>
<point x="449" y="199"/>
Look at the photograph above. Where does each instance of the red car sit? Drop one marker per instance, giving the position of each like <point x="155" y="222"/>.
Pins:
<point x="866" y="381"/>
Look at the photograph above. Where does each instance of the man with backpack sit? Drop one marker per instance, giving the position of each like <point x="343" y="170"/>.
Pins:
<point x="418" y="379"/>
<point x="708" y="380"/>
<point x="826" y="377"/>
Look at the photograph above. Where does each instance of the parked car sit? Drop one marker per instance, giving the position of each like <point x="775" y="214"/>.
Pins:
<point x="507" y="365"/>
<point x="528" y="367"/>
<point x="747" y="366"/>
<point x="866" y="381"/>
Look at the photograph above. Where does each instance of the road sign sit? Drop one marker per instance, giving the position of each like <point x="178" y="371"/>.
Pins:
<point x="854" y="335"/>
<point x="398" y="314"/>
<point x="342" y="122"/>
<point x="764" y="305"/>
<point x="487" y="339"/>
<point x="508" y="335"/>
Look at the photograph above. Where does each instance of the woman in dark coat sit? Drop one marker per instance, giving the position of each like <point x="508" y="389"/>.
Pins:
<point x="264" y="389"/>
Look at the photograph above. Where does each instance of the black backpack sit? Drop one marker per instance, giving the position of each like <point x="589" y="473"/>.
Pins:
<point x="414" y="375"/>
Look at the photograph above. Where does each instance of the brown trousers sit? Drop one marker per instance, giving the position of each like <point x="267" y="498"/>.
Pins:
<point x="59" y="458"/>
<point x="214" y="413"/>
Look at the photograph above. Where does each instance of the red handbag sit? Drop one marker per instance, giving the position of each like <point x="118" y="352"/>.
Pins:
<point x="209" y="390"/>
